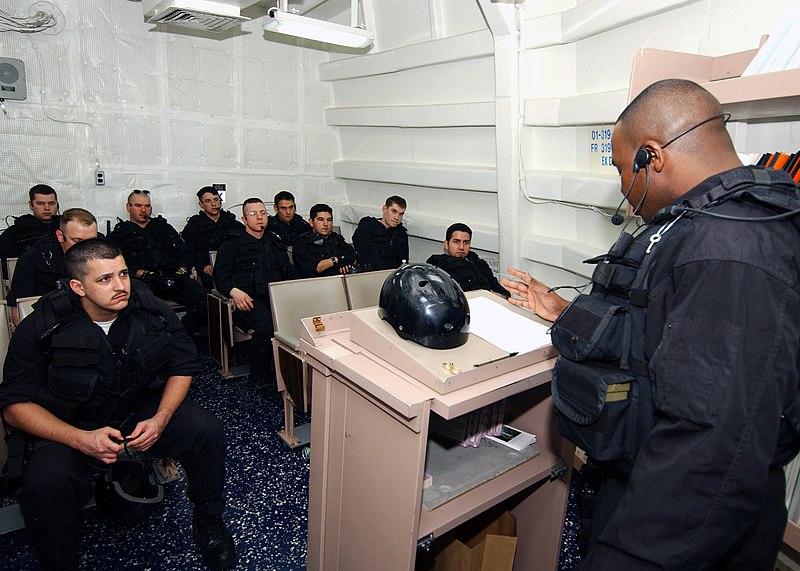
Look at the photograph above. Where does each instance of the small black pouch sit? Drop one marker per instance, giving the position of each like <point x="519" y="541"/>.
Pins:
<point x="72" y="373"/>
<point x="155" y="354"/>
<point x="593" y="328"/>
<point x="598" y="407"/>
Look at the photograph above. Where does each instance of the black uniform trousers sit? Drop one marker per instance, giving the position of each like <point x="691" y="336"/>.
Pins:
<point x="259" y="320"/>
<point x="755" y="551"/>
<point x="56" y="479"/>
<point x="192" y="294"/>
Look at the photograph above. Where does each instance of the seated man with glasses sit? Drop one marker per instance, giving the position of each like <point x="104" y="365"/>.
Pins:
<point x="205" y="231"/>
<point x="246" y="263"/>
<point x="286" y="223"/>
<point x="157" y="255"/>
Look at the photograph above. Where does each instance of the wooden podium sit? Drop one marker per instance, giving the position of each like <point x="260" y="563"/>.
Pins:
<point x="370" y="442"/>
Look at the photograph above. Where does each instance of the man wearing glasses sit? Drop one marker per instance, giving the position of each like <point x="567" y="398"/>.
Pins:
<point x="286" y="223"/>
<point x="205" y="231"/>
<point x="246" y="263"/>
<point x="156" y="254"/>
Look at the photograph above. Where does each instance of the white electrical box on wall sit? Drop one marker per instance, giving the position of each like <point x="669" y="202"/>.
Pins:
<point x="12" y="79"/>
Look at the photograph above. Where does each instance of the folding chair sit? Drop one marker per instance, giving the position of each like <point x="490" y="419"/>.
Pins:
<point x="291" y="301"/>
<point x="363" y="290"/>
<point x="25" y="306"/>
<point x="223" y="335"/>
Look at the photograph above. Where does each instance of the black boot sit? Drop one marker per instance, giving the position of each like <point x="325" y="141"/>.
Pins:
<point x="215" y="540"/>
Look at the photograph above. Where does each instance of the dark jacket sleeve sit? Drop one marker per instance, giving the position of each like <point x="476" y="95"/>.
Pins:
<point x="183" y="361"/>
<point x="403" y="237"/>
<point x="225" y="265"/>
<point x="122" y="236"/>
<point x="7" y="241"/>
<point x="191" y="236"/>
<point x="304" y="262"/>
<point x="182" y="252"/>
<point x="365" y="244"/>
<point x="287" y="268"/>
<point x="25" y="367"/>
<point x="487" y="271"/>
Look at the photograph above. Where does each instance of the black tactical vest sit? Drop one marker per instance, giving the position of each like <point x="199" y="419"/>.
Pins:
<point x="89" y="382"/>
<point x="601" y="384"/>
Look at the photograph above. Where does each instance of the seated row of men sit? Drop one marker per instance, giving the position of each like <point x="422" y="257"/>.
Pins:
<point x="100" y="291"/>
<point x="251" y="254"/>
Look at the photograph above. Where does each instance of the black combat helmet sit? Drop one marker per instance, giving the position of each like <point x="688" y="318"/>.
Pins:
<point x="128" y="490"/>
<point x="424" y="304"/>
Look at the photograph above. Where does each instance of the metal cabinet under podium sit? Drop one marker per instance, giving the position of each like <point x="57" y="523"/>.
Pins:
<point x="372" y="412"/>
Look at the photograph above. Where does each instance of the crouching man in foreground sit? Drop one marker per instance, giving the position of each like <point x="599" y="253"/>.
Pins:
<point x="96" y="365"/>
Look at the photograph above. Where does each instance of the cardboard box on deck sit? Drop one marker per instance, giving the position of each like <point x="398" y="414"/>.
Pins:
<point x="476" y="547"/>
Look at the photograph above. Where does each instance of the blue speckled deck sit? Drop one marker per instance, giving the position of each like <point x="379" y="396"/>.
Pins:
<point x="266" y="492"/>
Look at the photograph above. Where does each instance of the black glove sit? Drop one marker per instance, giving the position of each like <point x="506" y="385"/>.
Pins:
<point x="344" y="260"/>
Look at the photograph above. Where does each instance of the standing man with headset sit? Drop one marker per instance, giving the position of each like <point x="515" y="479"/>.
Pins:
<point x="679" y="374"/>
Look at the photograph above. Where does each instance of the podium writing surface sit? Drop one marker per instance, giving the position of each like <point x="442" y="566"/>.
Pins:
<point x="369" y="435"/>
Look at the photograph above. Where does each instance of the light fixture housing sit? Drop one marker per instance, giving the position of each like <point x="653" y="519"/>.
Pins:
<point x="204" y="15"/>
<point x="295" y="25"/>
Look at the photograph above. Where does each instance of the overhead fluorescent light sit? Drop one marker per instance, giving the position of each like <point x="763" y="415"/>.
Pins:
<point x="319" y="30"/>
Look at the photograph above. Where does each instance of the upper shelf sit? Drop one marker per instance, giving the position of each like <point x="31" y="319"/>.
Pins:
<point x="769" y="95"/>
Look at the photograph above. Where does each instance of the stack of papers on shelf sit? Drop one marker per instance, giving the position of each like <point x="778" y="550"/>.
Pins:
<point x="782" y="50"/>
<point x="514" y="438"/>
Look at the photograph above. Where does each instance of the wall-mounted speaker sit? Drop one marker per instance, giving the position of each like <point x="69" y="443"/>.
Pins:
<point x="12" y="79"/>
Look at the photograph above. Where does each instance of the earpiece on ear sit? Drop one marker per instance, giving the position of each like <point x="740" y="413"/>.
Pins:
<point x="642" y="159"/>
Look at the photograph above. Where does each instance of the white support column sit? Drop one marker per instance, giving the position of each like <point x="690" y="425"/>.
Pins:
<point x="501" y="20"/>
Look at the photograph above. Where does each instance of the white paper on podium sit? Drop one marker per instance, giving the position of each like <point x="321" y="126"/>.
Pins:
<point x="505" y="329"/>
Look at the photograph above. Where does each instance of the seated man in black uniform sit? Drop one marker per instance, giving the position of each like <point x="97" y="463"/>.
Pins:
<point x="39" y="269"/>
<point x="323" y="252"/>
<point x="157" y="255"/>
<point x="205" y="231"/>
<point x="43" y="220"/>
<point x="464" y="266"/>
<point x="246" y="263"/>
<point x="97" y="364"/>
<point x="382" y="243"/>
<point x="286" y="223"/>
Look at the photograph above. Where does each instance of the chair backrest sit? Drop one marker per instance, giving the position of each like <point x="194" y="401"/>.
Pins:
<point x="12" y="264"/>
<point x="5" y="287"/>
<point x="25" y="306"/>
<point x="293" y="300"/>
<point x="5" y="335"/>
<point x="363" y="290"/>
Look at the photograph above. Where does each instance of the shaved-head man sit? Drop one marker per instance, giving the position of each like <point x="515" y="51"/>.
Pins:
<point x="678" y="373"/>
